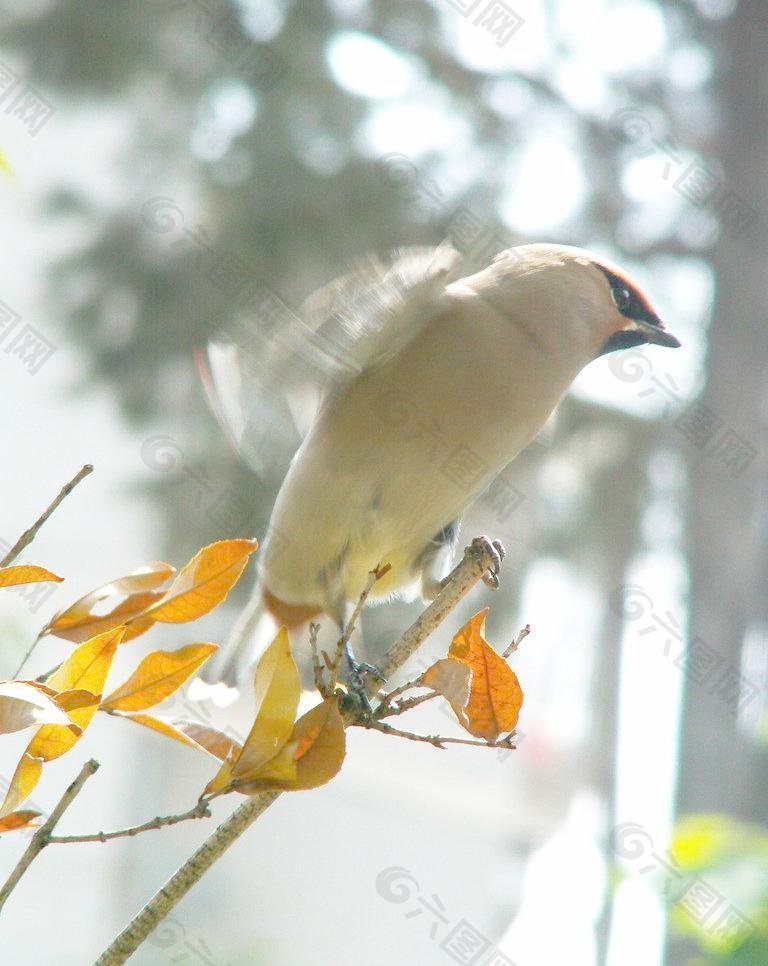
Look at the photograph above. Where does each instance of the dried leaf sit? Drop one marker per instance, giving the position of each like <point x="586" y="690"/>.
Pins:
<point x="313" y="755"/>
<point x="24" y="706"/>
<point x="452" y="679"/>
<point x="157" y="676"/>
<point x="25" y="574"/>
<point x="18" y="820"/>
<point x="86" y="668"/>
<point x="210" y="739"/>
<point x="24" y="779"/>
<point x="495" y="694"/>
<point x="204" y="582"/>
<point x="146" y="578"/>
<point x="277" y="689"/>
<point x="129" y="612"/>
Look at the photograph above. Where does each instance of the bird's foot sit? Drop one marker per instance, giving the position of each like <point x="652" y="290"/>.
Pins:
<point x="358" y="692"/>
<point x="495" y="550"/>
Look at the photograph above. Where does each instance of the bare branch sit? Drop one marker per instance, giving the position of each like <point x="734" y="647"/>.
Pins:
<point x="29" y="535"/>
<point x="439" y="741"/>
<point x="42" y="836"/>
<point x="478" y="559"/>
<point x="376" y="574"/>
<point x="200" y="810"/>
<point x="517" y="641"/>
<point x="182" y="881"/>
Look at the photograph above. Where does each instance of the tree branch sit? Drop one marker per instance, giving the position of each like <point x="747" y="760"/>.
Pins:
<point x="42" y="836"/>
<point x="200" y="810"/>
<point x="478" y="558"/>
<point x="29" y="535"/>
<point x="439" y="741"/>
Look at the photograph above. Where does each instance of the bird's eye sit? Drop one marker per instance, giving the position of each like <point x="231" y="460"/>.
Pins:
<point x="622" y="298"/>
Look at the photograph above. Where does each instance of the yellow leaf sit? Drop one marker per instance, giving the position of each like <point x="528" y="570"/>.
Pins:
<point x="204" y="582"/>
<point x="22" y="705"/>
<point x="86" y="668"/>
<point x="25" y="574"/>
<point x="18" y="820"/>
<point x="221" y="780"/>
<point x="145" y="578"/>
<point x="158" y="675"/>
<point x="277" y="688"/>
<point x="161" y="725"/>
<point x="24" y="779"/>
<point x="74" y="699"/>
<point x="495" y="695"/>
<point x="313" y="755"/>
<point x="452" y="679"/>
<point x="80" y="627"/>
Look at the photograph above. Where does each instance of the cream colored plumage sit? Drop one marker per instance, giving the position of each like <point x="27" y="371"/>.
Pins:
<point x="455" y="377"/>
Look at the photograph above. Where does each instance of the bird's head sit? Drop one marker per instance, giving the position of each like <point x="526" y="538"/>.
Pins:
<point x="561" y="290"/>
<point x="638" y="321"/>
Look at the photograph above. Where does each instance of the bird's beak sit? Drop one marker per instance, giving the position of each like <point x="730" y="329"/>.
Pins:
<point x="655" y="333"/>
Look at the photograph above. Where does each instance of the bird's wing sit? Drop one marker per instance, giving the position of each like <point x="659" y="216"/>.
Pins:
<point x="266" y="379"/>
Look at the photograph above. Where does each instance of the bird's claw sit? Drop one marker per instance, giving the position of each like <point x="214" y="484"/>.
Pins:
<point x="358" y="692"/>
<point x="495" y="550"/>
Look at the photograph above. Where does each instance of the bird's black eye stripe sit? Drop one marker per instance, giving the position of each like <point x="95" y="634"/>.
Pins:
<point x="628" y="301"/>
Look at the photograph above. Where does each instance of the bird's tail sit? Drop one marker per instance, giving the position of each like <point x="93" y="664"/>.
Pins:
<point x="254" y="630"/>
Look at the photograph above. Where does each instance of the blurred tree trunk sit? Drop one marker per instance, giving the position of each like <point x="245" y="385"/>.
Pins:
<point x="722" y="769"/>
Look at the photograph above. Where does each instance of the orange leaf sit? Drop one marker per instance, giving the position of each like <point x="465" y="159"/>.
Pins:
<point x="204" y="582"/>
<point x="157" y="676"/>
<point x="23" y="706"/>
<point x="452" y="679"/>
<point x="25" y="574"/>
<point x="495" y="695"/>
<point x="18" y="820"/>
<point x="24" y="779"/>
<point x="312" y="756"/>
<point x="79" y="628"/>
<point x="145" y="578"/>
<point x="86" y="668"/>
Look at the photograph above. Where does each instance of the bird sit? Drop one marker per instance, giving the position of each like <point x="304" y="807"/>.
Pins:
<point x="395" y="395"/>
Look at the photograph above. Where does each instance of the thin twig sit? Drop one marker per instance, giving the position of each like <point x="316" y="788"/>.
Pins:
<point x="387" y="699"/>
<point x="376" y="574"/>
<point x="439" y="741"/>
<point x="406" y="705"/>
<point x="517" y="641"/>
<point x="42" y="836"/>
<point x="460" y="581"/>
<point x="200" y="810"/>
<point x="29" y="535"/>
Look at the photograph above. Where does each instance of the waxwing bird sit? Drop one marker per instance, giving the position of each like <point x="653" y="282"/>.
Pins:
<point x="349" y="388"/>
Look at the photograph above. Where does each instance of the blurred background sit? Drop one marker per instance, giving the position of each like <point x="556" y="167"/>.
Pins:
<point x="167" y="168"/>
